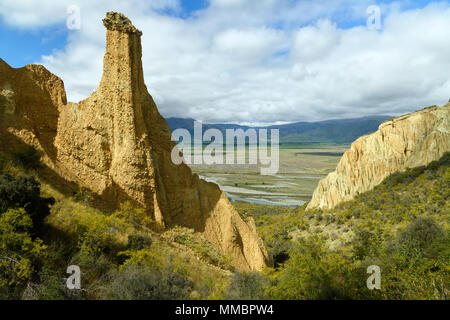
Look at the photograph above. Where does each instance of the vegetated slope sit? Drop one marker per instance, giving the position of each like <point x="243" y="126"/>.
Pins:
<point x="324" y="132"/>
<point x="402" y="225"/>
<point x="43" y="230"/>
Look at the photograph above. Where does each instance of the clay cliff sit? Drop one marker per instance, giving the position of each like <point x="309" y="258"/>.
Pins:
<point x="409" y="141"/>
<point x="116" y="144"/>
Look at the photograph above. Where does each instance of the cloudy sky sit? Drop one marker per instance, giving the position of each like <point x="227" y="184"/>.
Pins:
<point x="250" y="61"/>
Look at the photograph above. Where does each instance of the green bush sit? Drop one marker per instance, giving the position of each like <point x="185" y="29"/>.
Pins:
<point x="143" y="283"/>
<point x="311" y="273"/>
<point x="137" y="217"/>
<point x="24" y="192"/>
<point x="97" y="234"/>
<point x="96" y="273"/>
<point x="246" y="286"/>
<point x="138" y="242"/>
<point x="416" y="266"/>
<point x="20" y="255"/>
<point x="420" y="234"/>
<point x="50" y="286"/>
<point x="365" y="244"/>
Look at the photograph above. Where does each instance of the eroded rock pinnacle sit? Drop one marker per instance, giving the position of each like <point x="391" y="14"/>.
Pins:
<point x="116" y="21"/>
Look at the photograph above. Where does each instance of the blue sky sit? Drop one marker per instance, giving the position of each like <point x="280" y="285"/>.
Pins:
<point x="21" y="46"/>
<point x="250" y="61"/>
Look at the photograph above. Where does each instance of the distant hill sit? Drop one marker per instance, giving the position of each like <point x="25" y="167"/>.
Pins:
<point x="323" y="132"/>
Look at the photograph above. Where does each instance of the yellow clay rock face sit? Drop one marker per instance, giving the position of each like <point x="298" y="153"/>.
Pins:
<point x="408" y="141"/>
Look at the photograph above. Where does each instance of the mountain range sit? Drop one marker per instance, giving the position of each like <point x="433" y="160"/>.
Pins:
<point x="323" y="132"/>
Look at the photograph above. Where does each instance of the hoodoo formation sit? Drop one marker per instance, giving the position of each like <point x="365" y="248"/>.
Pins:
<point x="116" y="144"/>
<point x="408" y="141"/>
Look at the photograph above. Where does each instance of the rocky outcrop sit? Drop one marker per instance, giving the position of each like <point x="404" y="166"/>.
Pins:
<point x="118" y="145"/>
<point x="409" y="141"/>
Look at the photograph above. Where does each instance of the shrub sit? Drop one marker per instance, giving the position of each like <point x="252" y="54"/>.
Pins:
<point x="246" y="286"/>
<point x="50" y="286"/>
<point x="98" y="234"/>
<point x="138" y="242"/>
<point x="24" y="192"/>
<point x="144" y="257"/>
<point x="143" y="283"/>
<point x="19" y="253"/>
<point x="419" y="234"/>
<point x="416" y="266"/>
<point x="96" y="272"/>
<point x="364" y="244"/>
<point x="134" y="216"/>
<point x="311" y="273"/>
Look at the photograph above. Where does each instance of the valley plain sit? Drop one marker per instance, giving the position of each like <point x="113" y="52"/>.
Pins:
<point x="301" y="168"/>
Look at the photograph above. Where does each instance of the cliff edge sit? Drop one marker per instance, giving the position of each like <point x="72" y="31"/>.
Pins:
<point x="408" y="141"/>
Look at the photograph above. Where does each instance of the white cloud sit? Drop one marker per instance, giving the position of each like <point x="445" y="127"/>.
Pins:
<point x="249" y="44"/>
<point x="265" y="61"/>
<point x="227" y="3"/>
<point x="315" y="42"/>
<point x="29" y="13"/>
<point x="32" y="13"/>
